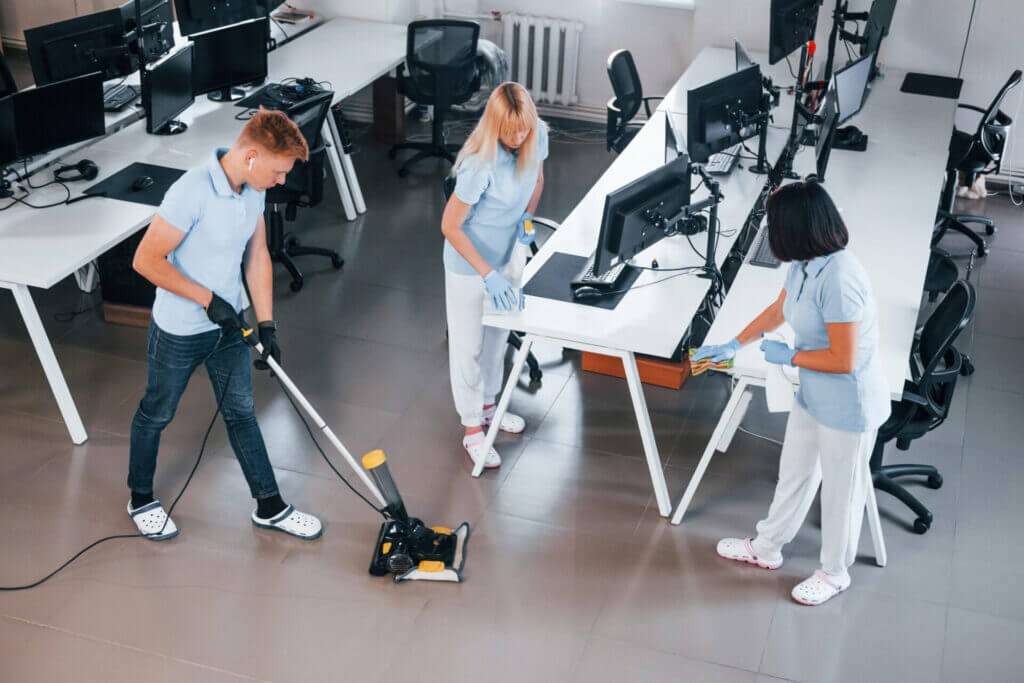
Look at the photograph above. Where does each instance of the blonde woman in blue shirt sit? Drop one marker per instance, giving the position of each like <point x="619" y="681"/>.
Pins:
<point x="843" y="396"/>
<point x="499" y="180"/>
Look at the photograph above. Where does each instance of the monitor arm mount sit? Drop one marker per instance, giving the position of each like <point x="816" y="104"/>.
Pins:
<point x="689" y="219"/>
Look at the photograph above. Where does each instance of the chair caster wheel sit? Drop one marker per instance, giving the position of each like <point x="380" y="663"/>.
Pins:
<point x="935" y="481"/>
<point x="392" y="153"/>
<point x="296" y="285"/>
<point x="403" y="172"/>
<point x="337" y="262"/>
<point x="921" y="525"/>
<point x="990" y="230"/>
<point x="967" y="369"/>
<point x="536" y="376"/>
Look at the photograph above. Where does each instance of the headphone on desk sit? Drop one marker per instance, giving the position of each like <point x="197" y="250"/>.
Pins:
<point x="87" y="170"/>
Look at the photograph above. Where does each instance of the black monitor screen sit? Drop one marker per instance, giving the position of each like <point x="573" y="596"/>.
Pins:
<point x="626" y="226"/>
<point x="851" y="83"/>
<point x="230" y="56"/>
<point x="158" y="24"/>
<point x="196" y="16"/>
<point x="83" y="45"/>
<point x="168" y="90"/>
<point x="823" y="148"/>
<point x="38" y="120"/>
<point x="793" y="23"/>
<point x="881" y="15"/>
<point x="721" y="113"/>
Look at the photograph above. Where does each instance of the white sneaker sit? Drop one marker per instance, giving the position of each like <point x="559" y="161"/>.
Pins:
<point x="740" y="550"/>
<point x="474" y="446"/>
<point x="819" y="588"/>
<point x="511" y="424"/>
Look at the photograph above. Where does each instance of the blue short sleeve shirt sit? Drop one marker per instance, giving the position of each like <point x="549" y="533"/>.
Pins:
<point x="835" y="289"/>
<point x="498" y="196"/>
<point x="217" y="223"/>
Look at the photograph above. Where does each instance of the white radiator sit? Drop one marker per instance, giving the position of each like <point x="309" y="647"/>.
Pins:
<point x="545" y="55"/>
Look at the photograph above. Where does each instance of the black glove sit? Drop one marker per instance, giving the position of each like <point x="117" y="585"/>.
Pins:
<point x="268" y="338"/>
<point x="222" y="313"/>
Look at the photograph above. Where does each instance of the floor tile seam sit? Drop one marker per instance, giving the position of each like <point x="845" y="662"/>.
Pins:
<point x="59" y="421"/>
<point x="673" y="653"/>
<point x="124" y="646"/>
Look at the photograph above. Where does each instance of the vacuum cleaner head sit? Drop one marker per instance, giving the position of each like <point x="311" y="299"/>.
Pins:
<point x="406" y="547"/>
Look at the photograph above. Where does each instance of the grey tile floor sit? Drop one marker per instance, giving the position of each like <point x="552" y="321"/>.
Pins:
<point x="571" y="574"/>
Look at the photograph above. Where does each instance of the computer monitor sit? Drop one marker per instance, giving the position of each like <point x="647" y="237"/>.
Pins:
<point x="196" y="16"/>
<point x="793" y="23"/>
<point x="743" y="60"/>
<point x="722" y="113"/>
<point x="39" y="120"/>
<point x="79" y="46"/>
<point x="851" y="84"/>
<point x="826" y="134"/>
<point x="881" y="16"/>
<point x="228" y="57"/>
<point x="675" y="137"/>
<point x="629" y="223"/>
<point x="158" y="26"/>
<point x="167" y="91"/>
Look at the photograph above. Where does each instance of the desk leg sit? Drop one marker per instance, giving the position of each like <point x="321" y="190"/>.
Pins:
<point x="875" y="523"/>
<point x="334" y="157"/>
<point x="506" y="396"/>
<point x="49" y="362"/>
<point x="716" y="438"/>
<point x="643" y="420"/>
<point x="346" y="164"/>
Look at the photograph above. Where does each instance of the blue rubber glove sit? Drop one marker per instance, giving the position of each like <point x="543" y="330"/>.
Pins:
<point x="503" y="295"/>
<point x="525" y="233"/>
<point x="777" y="352"/>
<point x="717" y="352"/>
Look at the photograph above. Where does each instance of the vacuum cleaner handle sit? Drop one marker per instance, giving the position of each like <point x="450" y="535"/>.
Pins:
<point x="250" y="337"/>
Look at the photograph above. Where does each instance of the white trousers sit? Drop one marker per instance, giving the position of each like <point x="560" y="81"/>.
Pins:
<point x="814" y="454"/>
<point x="476" y="354"/>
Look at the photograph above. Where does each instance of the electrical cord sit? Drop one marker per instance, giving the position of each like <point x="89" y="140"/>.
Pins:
<point x="760" y="436"/>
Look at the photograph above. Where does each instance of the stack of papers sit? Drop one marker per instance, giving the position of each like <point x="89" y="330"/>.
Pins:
<point x="705" y="364"/>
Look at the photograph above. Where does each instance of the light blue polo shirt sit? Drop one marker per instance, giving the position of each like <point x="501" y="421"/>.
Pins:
<point x="835" y="289"/>
<point x="217" y="222"/>
<point x="498" y="196"/>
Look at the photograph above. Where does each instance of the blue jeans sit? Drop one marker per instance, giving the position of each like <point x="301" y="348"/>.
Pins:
<point x="172" y="359"/>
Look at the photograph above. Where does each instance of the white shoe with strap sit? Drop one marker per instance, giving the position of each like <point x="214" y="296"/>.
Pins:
<point x="741" y="550"/>
<point x="474" y="445"/>
<point x="511" y="424"/>
<point x="819" y="588"/>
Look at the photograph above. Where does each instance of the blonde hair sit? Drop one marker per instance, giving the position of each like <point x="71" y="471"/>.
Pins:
<point x="276" y="133"/>
<point x="509" y="110"/>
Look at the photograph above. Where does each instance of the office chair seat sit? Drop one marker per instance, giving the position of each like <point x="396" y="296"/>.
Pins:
<point x="942" y="273"/>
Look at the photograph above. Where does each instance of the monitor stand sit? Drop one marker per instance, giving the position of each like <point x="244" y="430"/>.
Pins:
<point x="226" y="95"/>
<point x="172" y="128"/>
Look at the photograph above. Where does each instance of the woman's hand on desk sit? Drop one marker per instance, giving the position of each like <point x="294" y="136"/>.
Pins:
<point x="717" y="352"/>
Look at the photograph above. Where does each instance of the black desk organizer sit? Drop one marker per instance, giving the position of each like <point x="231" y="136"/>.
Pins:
<point x="119" y="185"/>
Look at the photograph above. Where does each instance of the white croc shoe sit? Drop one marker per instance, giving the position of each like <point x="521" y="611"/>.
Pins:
<point x="819" y="588"/>
<point x="152" y="521"/>
<point x="740" y="550"/>
<point x="474" y="446"/>
<point x="292" y="522"/>
<point x="511" y="424"/>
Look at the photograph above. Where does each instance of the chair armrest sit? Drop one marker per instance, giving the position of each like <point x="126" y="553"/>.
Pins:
<point x="971" y="107"/>
<point x="546" y="223"/>
<point x="647" y="106"/>
<point x="912" y="397"/>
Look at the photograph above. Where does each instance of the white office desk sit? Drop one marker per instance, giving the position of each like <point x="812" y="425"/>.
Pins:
<point x="41" y="247"/>
<point x="887" y="199"/>
<point x="651" y="318"/>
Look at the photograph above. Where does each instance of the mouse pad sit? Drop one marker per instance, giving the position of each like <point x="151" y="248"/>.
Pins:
<point x="932" y="86"/>
<point x="119" y="185"/>
<point x="552" y="280"/>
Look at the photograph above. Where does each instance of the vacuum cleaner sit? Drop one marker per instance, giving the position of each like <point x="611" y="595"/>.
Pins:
<point x="406" y="548"/>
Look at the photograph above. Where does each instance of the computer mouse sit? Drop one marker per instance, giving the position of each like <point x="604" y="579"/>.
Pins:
<point x="586" y="292"/>
<point x="143" y="182"/>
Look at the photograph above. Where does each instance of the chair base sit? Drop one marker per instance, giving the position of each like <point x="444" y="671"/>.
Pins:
<point x="425" y="150"/>
<point x="951" y="223"/>
<point x="884" y="479"/>
<point x="292" y="248"/>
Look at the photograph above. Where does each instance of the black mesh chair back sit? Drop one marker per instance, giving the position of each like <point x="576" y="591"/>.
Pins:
<point x="7" y="84"/>
<point x="935" y="364"/>
<point x="626" y="85"/>
<point x="441" y="59"/>
<point x="306" y="178"/>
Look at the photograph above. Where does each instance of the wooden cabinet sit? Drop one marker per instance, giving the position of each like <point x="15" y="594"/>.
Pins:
<point x="18" y="15"/>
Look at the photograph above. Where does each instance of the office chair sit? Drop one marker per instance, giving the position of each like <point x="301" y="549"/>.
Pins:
<point x="302" y="188"/>
<point x="935" y="366"/>
<point x="515" y="339"/>
<point x="629" y="95"/>
<point x="441" y="61"/>
<point x="7" y="84"/>
<point x="971" y="155"/>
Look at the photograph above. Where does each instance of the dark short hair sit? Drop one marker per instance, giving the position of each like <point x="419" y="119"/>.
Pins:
<point x="803" y="222"/>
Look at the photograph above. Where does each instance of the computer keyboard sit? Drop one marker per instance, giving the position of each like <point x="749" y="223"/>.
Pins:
<point x="118" y="97"/>
<point x="607" y="280"/>
<point x="722" y="163"/>
<point x="762" y="251"/>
